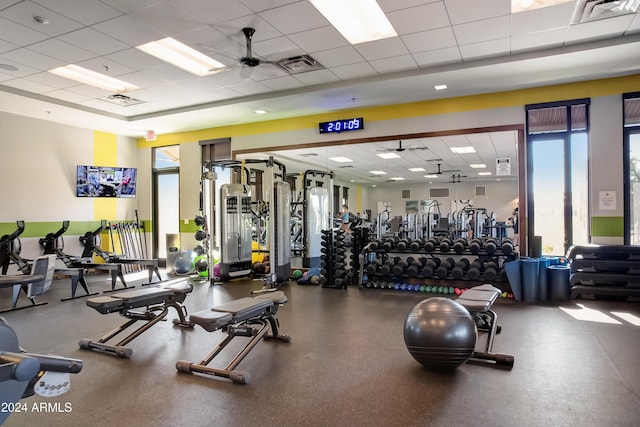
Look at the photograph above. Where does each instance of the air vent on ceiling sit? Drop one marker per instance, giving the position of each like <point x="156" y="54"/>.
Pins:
<point x="299" y="64"/>
<point x="592" y="10"/>
<point x="406" y="194"/>
<point x="481" y="190"/>
<point x="122" y="100"/>
<point x="308" y="155"/>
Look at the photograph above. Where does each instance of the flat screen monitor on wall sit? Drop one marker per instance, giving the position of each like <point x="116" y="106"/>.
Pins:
<point x="105" y="181"/>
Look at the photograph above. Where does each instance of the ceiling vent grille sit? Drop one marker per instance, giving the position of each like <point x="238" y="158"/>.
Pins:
<point x="438" y="192"/>
<point x="122" y="100"/>
<point x="299" y="64"/>
<point x="592" y="10"/>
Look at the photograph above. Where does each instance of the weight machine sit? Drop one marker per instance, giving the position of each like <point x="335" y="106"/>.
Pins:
<point x="230" y="219"/>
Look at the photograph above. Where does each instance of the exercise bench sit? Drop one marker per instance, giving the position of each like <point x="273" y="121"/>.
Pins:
<point x="478" y="301"/>
<point x="244" y="317"/>
<point x="149" y="305"/>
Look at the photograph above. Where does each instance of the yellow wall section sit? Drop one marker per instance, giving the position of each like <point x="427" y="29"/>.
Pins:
<point x="594" y="88"/>
<point x="104" y="154"/>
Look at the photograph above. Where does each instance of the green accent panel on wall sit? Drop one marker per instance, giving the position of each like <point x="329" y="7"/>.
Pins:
<point x="607" y="226"/>
<point x="41" y="229"/>
<point x="189" y="227"/>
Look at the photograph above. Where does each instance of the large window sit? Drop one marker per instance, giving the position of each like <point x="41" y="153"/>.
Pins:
<point x="632" y="168"/>
<point x="558" y="174"/>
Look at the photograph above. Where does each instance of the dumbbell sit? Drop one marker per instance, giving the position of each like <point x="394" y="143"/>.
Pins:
<point x="416" y="245"/>
<point x="386" y="267"/>
<point x="460" y="245"/>
<point x="445" y="245"/>
<point x="507" y="247"/>
<point x="445" y="266"/>
<point x="475" y="245"/>
<point x="490" y="271"/>
<point x="429" y="268"/>
<point x="431" y="245"/>
<point x="374" y="245"/>
<point x="475" y="270"/>
<point x="462" y="265"/>
<point x="490" y="245"/>
<point x="402" y="245"/>
<point x="414" y="268"/>
<point x="399" y="268"/>
<point x="387" y="245"/>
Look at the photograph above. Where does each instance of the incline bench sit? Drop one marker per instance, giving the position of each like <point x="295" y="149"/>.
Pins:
<point x="154" y="302"/>
<point x="244" y="317"/>
<point x="478" y="301"/>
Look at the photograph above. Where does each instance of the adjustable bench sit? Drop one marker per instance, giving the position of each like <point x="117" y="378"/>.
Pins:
<point x="244" y="317"/>
<point x="478" y="301"/>
<point x="154" y="302"/>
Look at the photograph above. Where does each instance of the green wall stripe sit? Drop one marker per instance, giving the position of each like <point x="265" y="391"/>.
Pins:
<point x="607" y="226"/>
<point x="41" y="229"/>
<point x="189" y="227"/>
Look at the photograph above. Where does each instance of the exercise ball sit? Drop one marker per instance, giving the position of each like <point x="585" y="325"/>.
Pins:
<point x="216" y="269"/>
<point x="184" y="263"/>
<point x="440" y="333"/>
<point x="296" y="274"/>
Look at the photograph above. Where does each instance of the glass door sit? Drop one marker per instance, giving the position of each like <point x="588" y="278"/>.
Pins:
<point x="166" y="199"/>
<point x="633" y="187"/>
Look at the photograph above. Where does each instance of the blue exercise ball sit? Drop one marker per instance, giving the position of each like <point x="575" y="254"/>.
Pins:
<point x="184" y="263"/>
<point x="440" y="333"/>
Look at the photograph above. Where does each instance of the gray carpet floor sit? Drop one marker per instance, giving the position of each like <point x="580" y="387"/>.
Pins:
<point x="576" y="364"/>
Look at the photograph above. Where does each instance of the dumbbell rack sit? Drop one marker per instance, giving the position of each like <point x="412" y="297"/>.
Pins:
<point x="335" y="264"/>
<point x="432" y="258"/>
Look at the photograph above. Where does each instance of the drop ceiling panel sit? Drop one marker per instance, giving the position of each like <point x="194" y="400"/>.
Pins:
<point x="430" y="40"/>
<point x="396" y="63"/>
<point x="480" y="31"/>
<point x="127" y="30"/>
<point x="599" y="29"/>
<point x="337" y="57"/>
<point x="353" y="71"/>
<point x="262" y="5"/>
<point x="87" y="12"/>
<point x="462" y="11"/>
<point x="319" y="39"/>
<point x="306" y="17"/>
<point x="379" y="49"/>
<point x="169" y="19"/>
<point x="24" y="13"/>
<point x="485" y="49"/>
<point x="19" y="34"/>
<point x="214" y="11"/>
<point x="32" y="58"/>
<point x="93" y="41"/>
<point x="437" y="57"/>
<point x="419" y="18"/>
<point x="546" y="18"/>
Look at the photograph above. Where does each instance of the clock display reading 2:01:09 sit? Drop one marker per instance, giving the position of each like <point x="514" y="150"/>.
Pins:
<point x="343" y="125"/>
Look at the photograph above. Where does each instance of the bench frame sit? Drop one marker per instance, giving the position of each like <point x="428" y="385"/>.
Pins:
<point x="152" y="313"/>
<point x="253" y="324"/>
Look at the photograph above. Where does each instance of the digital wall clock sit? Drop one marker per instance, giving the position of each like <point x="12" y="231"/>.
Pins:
<point x="343" y="125"/>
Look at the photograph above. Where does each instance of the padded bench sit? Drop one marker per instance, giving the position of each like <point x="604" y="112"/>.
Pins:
<point x="478" y="301"/>
<point x="154" y="303"/>
<point x="244" y="317"/>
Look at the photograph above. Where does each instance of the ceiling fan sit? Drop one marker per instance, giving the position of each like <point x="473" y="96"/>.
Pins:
<point x="249" y="60"/>
<point x="400" y="148"/>
<point x="440" y="171"/>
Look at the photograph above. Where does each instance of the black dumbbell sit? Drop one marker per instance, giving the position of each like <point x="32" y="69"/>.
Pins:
<point x="431" y="245"/>
<point x="475" y="270"/>
<point x="507" y="247"/>
<point x="475" y="245"/>
<point x="429" y="268"/>
<point x="416" y="245"/>
<point x="445" y="266"/>
<point x="414" y="268"/>
<point x="490" y="245"/>
<point x="386" y="267"/>
<point x="399" y="268"/>
<point x="387" y="245"/>
<point x="458" y="271"/>
<point x="490" y="271"/>
<point x="460" y="245"/>
<point x="445" y="245"/>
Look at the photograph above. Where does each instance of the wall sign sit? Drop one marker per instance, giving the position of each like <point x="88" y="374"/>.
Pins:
<point x="503" y="166"/>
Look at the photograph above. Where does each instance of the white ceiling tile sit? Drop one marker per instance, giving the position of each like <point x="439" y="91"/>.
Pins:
<point x="135" y="59"/>
<point x="396" y="63"/>
<point x="262" y="5"/>
<point x="101" y="65"/>
<point x="599" y="29"/>
<point x="24" y="12"/>
<point x="87" y="12"/>
<point x="461" y="11"/>
<point x="545" y="18"/>
<point x="282" y="83"/>
<point x="52" y="80"/>
<point x="128" y="31"/>
<point x="5" y="46"/>
<point x="317" y="77"/>
<point x="251" y="88"/>
<point x="278" y="48"/>
<point x="128" y="6"/>
<point x="485" y="49"/>
<point x="213" y="11"/>
<point x="232" y="30"/>
<point x="89" y="92"/>
<point x="33" y="59"/>
<point x="420" y="18"/>
<point x="353" y="71"/>
<point x="391" y="5"/>
<point x="62" y="51"/>
<point x="93" y="41"/>
<point x="319" y="39"/>
<point x="480" y="31"/>
<point x="264" y="72"/>
<point x="430" y="40"/>
<point x="65" y="95"/>
<point x="28" y="85"/>
<point x="539" y="40"/>
<point x="19" y="34"/>
<point x="295" y="17"/>
<point x="337" y="57"/>
<point x="634" y="27"/>
<point x="21" y="69"/>
<point x="167" y="18"/>
<point x="384" y="48"/>
<point x="435" y="57"/>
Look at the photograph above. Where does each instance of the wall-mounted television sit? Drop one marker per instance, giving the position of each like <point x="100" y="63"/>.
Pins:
<point x="105" y="181"/>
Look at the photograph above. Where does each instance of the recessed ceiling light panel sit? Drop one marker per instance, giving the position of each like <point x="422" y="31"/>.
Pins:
<point x="388" y="156"/>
